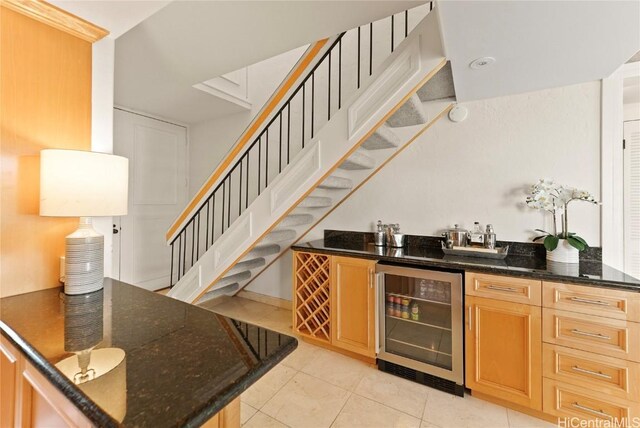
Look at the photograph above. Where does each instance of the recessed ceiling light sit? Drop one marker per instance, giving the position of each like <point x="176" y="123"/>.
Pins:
<point x="482" y="62"/>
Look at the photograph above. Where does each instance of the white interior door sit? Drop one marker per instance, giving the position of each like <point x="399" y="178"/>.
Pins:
<point x="158" y="184"/>
<point x="632" y="198"/>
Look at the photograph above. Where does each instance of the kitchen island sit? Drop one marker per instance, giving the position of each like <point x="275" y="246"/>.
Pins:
<point x="125" y="356"/>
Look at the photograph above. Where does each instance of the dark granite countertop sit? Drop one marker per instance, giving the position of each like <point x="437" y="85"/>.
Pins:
<point x="524" y="260"/>
<point x="158" y="362"/>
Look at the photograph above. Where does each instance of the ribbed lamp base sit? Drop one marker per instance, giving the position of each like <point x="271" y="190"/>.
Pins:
<point x="84" y="259"/>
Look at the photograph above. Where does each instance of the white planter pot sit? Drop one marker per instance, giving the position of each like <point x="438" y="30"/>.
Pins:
<point x="566" y="269"/>
<point x="564" y="253"/>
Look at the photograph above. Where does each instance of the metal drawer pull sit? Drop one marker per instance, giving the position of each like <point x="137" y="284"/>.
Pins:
<point x="586" y="333"/>
<point x="589" y="301"/>
<point x="590" y="410"/>
<point x="499" y="288"/>
<point x="590" y="372"/>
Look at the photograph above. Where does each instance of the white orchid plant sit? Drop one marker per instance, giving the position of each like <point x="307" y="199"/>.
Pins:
<point x="555" y="198"/>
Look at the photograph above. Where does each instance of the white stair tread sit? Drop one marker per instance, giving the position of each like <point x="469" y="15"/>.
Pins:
<point x="383" y="138"/>
<point x="279" y="236"/>
<point x="409" y="114"/>
<point x="262" y="251"/>
<point x="335" y="182"/>
<point x="245" y="266"/>
<point x="439" y="86"/>
<point x="293" y="220"/>
<point x="228" y="280"/>
<point x="315" y="202"/>
<point x="358" y="160"/>
<point x="220" y="291"/>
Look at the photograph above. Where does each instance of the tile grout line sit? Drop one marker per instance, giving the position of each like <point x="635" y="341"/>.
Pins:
<point x="424" y="408"/>
<point x="341" y="409"/>
<point x="393" y="408"/>
<point x="389" y="407"/>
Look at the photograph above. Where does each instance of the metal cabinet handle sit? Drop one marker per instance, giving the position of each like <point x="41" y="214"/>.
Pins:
<point x="586" y="333"/>
<point x="590" y="410"/>
<point x="590" y="372"/>
<point x="371" y="280"/>
<point x="469" y="316"/>
<point x="499" y="288"/>
<point x="588" y="301"/>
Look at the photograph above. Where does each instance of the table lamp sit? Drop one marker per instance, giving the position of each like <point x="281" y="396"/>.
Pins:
<point x="83" y="184"/>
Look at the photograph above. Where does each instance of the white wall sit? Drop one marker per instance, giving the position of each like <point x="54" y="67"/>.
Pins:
<point x="479" y="170"/>
<point x="102" y="126"/>
<point x="631" y="111"/>
<point x="209" y="141"/>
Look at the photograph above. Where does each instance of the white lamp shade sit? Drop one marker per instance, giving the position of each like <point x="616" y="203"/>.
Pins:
<point x="82" y="184"/>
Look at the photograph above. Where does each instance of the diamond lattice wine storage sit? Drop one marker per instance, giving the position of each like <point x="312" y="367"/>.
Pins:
<point x="83" y="184"/>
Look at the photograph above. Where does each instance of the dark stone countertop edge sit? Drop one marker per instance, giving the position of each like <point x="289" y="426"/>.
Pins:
<point x="91" y="410"/>
<point x="469" y="267"/>
<point x="225" y="397"/>
<point x="101" y="418"/>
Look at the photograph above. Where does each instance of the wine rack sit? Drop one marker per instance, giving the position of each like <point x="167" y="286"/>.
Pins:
<point x="312" y="295"/>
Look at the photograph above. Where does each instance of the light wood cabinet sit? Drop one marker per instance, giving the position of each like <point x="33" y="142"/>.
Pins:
<point x="609" y="376"/>
<point x="605" y="336"/>
<point x="592" y="353"/>
<point x="517" y="290"/>
<point x="312" y="295"/>
<point x="8" y="382"/>
<point x="607" y="303"/>
<point x="568" y="401"/>
<point x="334" y="302"/>
<point x="353" y="305"/>
<point x="29" y="399"/>
<point x="503" y="350"/>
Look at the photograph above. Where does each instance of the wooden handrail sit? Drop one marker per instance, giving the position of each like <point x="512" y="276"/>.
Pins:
<point x="311" y="54"/>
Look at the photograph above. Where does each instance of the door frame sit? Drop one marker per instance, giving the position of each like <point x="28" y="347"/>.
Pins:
<point x="115" y="254"/>
<point x="612" y="166"/>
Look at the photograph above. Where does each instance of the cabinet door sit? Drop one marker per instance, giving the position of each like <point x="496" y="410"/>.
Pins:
<point x="353" y="305"/>
<point x="8" y="376"/>
<point x="503" y="350"/>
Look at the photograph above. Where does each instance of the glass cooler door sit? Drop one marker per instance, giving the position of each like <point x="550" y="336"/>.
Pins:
<point x="422" y="316"/>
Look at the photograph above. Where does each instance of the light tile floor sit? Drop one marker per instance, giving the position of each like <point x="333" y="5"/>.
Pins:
<point x="317" y="388"/>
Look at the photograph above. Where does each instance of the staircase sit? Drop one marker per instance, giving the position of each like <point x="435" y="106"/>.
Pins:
<point x="269" y="194"/>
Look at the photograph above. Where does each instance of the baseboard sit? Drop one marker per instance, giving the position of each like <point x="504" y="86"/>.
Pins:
<point x="323" y="344"/>
<point x="268" y="300"/>
<point x="531" y="412"/>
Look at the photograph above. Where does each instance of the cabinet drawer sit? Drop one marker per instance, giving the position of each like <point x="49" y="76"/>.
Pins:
<point x="607" y="375"/>
<point x="615" y="338"/>
<point x="609" y="303"/>
<point x="567" y="401"/>
<point x="506" y="288"/>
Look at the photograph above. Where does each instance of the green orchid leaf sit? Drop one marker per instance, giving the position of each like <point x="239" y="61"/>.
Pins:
<point x="551" y="242"/>
<point x="537" y="238"/>
<point x="575" y="243"/>
<point x="582" y="241"/>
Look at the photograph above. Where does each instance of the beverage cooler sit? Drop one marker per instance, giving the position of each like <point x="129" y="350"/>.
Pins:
<point x="420" y="326"/>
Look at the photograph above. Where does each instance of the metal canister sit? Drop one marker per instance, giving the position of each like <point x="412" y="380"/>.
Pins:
<point x="490" y="238"/>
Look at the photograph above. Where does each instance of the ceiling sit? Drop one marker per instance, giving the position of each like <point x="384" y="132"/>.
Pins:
<point x="537" y="44"/>
<point x="188" y="42"/>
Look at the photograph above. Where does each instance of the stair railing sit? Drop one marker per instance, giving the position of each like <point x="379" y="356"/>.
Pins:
<point x="309" y="106"/>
